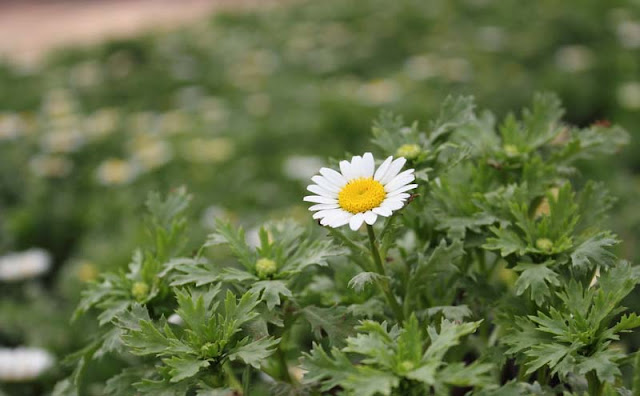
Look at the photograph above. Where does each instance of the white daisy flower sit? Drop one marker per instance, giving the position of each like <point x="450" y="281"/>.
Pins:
<point x="24" y="265"/>
<point x="23" y="364"/>
<point x="360" y="193"/>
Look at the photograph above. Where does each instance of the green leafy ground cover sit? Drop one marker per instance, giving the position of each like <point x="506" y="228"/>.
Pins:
<point x="243" y="108"/>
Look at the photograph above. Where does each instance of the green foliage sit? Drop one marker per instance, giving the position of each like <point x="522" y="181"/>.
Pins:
<point x="498" y="278"/>
<point x="389" y="357"/>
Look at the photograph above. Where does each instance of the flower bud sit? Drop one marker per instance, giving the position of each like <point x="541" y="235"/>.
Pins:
<point x="140" y="291"/>
<point x="544" y="244"/>
<point x="265" y="267"/>
<point x="409" y="151"/>
<point x="511" y="150"/>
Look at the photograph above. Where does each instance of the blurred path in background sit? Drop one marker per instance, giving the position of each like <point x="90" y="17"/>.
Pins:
<point x="31" y="28"/>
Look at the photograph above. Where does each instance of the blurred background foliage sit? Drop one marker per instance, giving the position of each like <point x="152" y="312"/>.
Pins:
<point x="242" y="108"/>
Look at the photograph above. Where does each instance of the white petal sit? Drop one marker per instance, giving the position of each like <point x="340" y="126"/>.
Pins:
<point x="339" y="219"/>
<point x="382" y="169"/>
<point x="399" y="181"/>
<point x="356" y="166"/>
<point x="382" y="211"/>
<point x="402" y="189"/>
<point x="356" y="221"/>
<point x="347" y="170"/>
<point x="368" y="165"/>
<point x="393" y="204"/>
<point x="324" y="183"/>
<point x="370" y="217"/>
<point x="333" y="176"/>
<point x="326" y="213"/>
<point x="319" y="199"/>
<point x="321" y="191"/>
<point x="324" y="207"/>
<point x="393" y="170"/>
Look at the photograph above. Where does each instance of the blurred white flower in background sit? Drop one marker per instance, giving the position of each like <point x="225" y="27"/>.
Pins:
<point x="491" y="38"/>
<point x="152" y="154"/>
<point x="45" y="165"/>
<point x="420" y="67"/>
<point x="208" y="150"/>
<point x="174" y="122"/>
<point x="23" y="364"/>
<point x="114" y="171"/>
<point x="58" y="103"/>
<point x="299" y="167"/>
<point x="10" y="126"/>
<point x="574" y="58"/>
<point x="101" y="123"/>
<point x="252" y="237"/>
<point x="629" y="95"/>
<point x="210" y="214"/>
<point x="24" y="265"/>
<point x="86" y="74"/>
<point x="62" y="141"/>
<point x="213" y="110"/>
<point x="175" y="319"/>
<point x="258" y="104"/>
<point x="379" y="92"/>
<point x="456" y="69"/>
<point x="629" y="34"/>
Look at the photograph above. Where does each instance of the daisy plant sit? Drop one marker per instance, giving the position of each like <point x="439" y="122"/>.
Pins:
<point x="499" y="279"/>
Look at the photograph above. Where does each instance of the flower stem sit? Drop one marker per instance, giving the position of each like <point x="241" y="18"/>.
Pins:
<point x="231" y="377"/>
<point x="383" y="283"/>
<point x="283" y="367"/>
<point x="596" y="387"/>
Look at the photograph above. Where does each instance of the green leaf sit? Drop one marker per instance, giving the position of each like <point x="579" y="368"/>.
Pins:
<point x="506" y="241"/>
<point x="473" y="374"/>
<point x="242" y="310"/>
<point x="255" y="352"/>
<point x="122" y="384"/>
<point x="334" y="322"/>
<point x="148" y="340"/>
<point x="454" y="112"/>
<point x="537" y="278"/>
<point x="453" y="313"/>
<point x="162" y="388"/>
<point x="183" y="367"/>
<point x="270" y="292"/>
<point x="594" y="252"/>
<point x="360" y="281"/>
<point x="374" y="343"/>
<point x="164" y="211"/>
<point x="369" y="382"/>
<point x="409" y="342"/>
<point x="444" y="258"/>
<point x="226" y="234"/>
<point x="425" y="373"/>
<point x="448" y="337"/>
<point x="196" y="308"/>
<point x="547" y="354"/>
<point x="604" y="363"/>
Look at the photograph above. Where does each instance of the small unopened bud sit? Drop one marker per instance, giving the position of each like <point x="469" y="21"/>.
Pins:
<point x="409" y="151"/>
<point x="407" y="365"/>
<point x="265" y="267"/>
<point x="511" y="150"/>
<point x="210" y="350"/>
<point x="544" y="244"/>
<point x="140" y="291"/>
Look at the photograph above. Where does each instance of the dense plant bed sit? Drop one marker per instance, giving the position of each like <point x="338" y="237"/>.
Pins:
<point x="471" y="260"/>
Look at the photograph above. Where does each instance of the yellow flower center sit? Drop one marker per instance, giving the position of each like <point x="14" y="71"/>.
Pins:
<point x="361" y="195"/>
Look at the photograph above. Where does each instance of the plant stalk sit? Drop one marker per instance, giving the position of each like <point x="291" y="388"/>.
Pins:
<point x="231" y="377"/>
<point x="384" y="283"/>
<point x="596" y="388"/>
